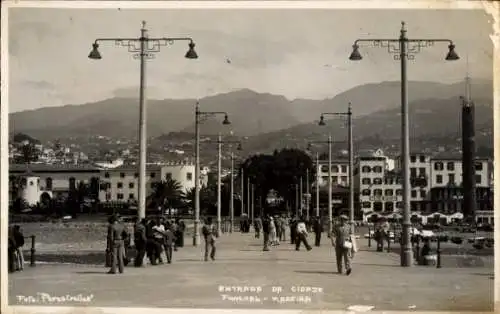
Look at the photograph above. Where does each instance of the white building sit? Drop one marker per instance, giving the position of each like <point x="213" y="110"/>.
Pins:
<point x="111" y="164"/>
<point x="121" y="183"/>
<point x="340" y="172"/>
<point x="448" y="171"/>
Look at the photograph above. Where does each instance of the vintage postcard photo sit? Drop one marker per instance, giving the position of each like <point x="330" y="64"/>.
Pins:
<point x="247" y="158"/>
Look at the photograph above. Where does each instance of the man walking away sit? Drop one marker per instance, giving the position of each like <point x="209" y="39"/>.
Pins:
<point x="284" y="226"/>
<point x="266" y="230"/>
<point x="181" y="228"/>
<point x="293" y="230"/>
<point x="19" y="238"/>
<point x="277" y="223"/>
<point x="12" y="250"/>
<point x="301" y="234"/>
<point x="210" y="233"/>
<point x="318" y="229"/>
<point x="116" y="244"/>
<point x="140" y="241"/>
<point x="341" y="241"/>
<point x="169" y="243"/>
<point x="257" y="227"/>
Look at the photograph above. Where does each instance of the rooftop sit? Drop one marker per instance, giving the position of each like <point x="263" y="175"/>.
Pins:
<point x="48" y="168"/>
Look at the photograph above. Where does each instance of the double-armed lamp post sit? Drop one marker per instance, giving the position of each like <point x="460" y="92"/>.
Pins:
<point x="200" y="117"/>
<point x="403" y="49"/>
<point x="347" y="114"/>
<point x="143" y="48"/>
<point x="330" y="211"/>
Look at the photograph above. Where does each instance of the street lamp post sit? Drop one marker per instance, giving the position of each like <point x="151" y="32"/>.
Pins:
<point x="307" y="194"/>
<point x="252" y="208"/>
<point x="143" y="52"/>
<point x="330" y="211"/>
<point x="317" y="184"/>
<point x="231" y="197"/>
<point x="199" y="116"/>
<point x="405" y="49"/>
<point x="301" y="195"/>
<point x="351" y="157"/>
<point x="242" y="191"/>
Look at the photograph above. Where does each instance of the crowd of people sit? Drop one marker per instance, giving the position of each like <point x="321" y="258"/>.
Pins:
<point x="15" y="249"/>
<point x="274" y="232"/>
<point x="151" y="238"/>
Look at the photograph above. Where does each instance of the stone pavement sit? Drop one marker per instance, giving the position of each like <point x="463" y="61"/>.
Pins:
<point x="377" y="281"/>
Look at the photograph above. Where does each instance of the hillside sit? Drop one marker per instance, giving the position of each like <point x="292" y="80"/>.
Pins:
<point x="251" y="113"/>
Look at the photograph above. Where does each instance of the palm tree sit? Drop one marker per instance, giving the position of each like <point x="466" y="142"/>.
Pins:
<point x="207" y="198"/>
<point x="168" y="193"/>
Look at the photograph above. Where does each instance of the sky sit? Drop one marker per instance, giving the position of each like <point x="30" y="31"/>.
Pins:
<point x="295" y="53"/>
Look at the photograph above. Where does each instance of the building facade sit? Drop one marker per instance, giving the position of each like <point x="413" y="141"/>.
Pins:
<point x="340" y="172"/>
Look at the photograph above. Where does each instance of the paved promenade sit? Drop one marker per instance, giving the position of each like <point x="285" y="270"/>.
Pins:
<point x="377" y="281"/>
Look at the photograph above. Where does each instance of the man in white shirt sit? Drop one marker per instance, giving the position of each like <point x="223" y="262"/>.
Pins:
<point x="159" y="239"/>
<point x="302" y="235"/>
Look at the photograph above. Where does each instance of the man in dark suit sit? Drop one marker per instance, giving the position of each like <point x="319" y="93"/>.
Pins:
<point x="318" y="229"/>
<point x="140" y="241"/>
<point x="116" y="245"/>
<point x="265" y="231"/>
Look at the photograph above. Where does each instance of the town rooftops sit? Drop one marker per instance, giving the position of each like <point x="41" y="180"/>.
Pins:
<point x="34" y="168"/>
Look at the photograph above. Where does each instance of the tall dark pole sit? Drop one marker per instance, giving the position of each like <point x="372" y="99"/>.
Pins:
<point x="351" y="167"/>
<point x="468" y="158"/>
<point x="242" y="191"/>
<point x="196" y="232"/>
<point x="142" y="124"/>
<point x="231" y="199"/>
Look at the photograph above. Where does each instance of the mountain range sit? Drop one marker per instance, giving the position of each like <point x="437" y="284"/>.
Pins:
<point x="375" y="111"/>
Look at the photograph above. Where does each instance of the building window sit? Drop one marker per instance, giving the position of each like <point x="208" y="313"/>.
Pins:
<point x="377" y="181"/>
<point x="343" y="179"/>
<point x="450" y="166"/>
<point x="108" y="196"/>
<point x="366" y="169"/>
<point x="377" y="192"/>
<point x="106" y="174"/>
<point x="122" y="174"/>
<point x="478" y="166"/>
<point x="399" y="204"/>
<point x="324" y="178"/>
<point x="399" y="192"/>
<point x="152" y="175"/>
<point x="421" y="172"/>
<point x="377" y="206"/>
<point x="343" y="168"/>
<point x="48" y="183"/>
<point x="31" y="182"/>
<point x="423" y="193"/>
<point x="413" y="172"/>
<point x="119" y="196"/>
<point x="152" y="185"/>
<point x="413" y="158"/>
<point x="377" y="169"/>
<point x="189" y="176"/>
<point x="335" y="169"/>
<point x="136" y="175"/>
<point x="389" y="192"/>
<point x="119" y="185"/>
<point x="335" y="179"/>
<point x="389" y="206"/>
<point x="72" y="183"/>
<point x="422" y="158"/>
<point x="413" y="193"/>
<point x="451" y="178"/>
<point x="324" y="168"/>
<point x="439" y="179"/>
<point x="168" y="176"/>
<point x="131" y="185"/>
<point x="131" y="196"/>
<point x="367" y="205"/>
<point x="438" y="166"/>
<point x="366" y="181"/>
<point x="366" y="192"/>
<point x="478" y="178"/>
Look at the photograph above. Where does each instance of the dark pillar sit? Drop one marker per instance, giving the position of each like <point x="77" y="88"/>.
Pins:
<point x="468" y="164"/>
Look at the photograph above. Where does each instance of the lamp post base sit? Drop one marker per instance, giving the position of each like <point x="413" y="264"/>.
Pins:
<point x="196" y="233"/>
<point x="406" y="258"/>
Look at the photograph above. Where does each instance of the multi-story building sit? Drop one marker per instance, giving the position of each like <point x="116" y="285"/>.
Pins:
<point x="121" y="183"/>
<point x="340" y="172"/>
<point x="379" y="188"/>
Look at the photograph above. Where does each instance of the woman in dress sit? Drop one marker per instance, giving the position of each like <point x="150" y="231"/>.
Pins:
<point x="272" y="231"/>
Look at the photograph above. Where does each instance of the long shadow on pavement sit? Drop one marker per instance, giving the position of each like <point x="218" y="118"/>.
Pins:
<point x="317" y="272"/>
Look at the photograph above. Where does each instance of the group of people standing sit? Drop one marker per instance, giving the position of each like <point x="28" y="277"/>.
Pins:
<point x="151" y="239"/>
<point x="15" y="249"/>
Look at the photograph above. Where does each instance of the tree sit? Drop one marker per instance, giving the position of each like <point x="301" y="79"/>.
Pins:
<point x="208" y="198"/>
<point x="168" y="194"/>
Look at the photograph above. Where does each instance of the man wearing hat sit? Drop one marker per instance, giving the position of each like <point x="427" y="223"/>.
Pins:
<point x="341" y="240"/>
<point x="116" y="245"/>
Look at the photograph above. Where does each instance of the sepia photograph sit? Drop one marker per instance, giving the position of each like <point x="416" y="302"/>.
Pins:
<point x="252" y="157"/>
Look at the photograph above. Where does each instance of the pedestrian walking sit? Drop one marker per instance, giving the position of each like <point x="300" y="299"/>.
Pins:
<point x="318" y="229"/>
<point x="159" y="239"/>
<point x="115" y="244"/>
<point x="283" y="226"/>
<point x="140" y="241"/>
<point x="272" y="232"/>
<point x="257" y="227"/>
<point x="265" y="231"/>
<point x="11" y="250"/>
<point x="301" y="234"/>
<point x="169" y="242"/>
<point x="341" y="241"/>
<point x="181" y="228"/>
<point x="210" y="233"/>
<point x="293" y="230"/>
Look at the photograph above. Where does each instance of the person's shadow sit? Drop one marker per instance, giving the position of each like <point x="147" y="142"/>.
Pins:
<point x="317" y="272"/>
